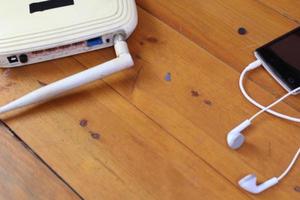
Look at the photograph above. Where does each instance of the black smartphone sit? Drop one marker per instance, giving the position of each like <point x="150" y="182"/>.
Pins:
<point x="281" y="58"/>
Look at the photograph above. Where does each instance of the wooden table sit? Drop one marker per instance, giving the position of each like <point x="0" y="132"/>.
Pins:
<point x="157" y="131"/>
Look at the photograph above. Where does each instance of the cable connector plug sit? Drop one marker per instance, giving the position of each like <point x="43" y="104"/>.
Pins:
<point x="254" y="65"/>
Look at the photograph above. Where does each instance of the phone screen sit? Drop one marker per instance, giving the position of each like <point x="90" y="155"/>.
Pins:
<point x="282" y="57"/>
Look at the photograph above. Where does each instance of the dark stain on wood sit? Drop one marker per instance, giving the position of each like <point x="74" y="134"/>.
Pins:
<point x="95" y="135"/>
<point x="195" y="93"/>
<point x="142" y="43"/>
<point x="168" y="77"/>
<point x="138" y="141"/>
<point x="208" y="102"/>
<point x="242" y="31"/>
<point x="152" y="39"/>
<point x="137" y="56"/>
<point x="297" y="188"/>
<point x="9" y="84"/>
<point x="83" y="123"/>
<point x="42" y="83"/>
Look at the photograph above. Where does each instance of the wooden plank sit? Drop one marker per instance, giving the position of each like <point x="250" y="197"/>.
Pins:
<point x="288" y="8"/>
<point x="105" y="147"/>
<point x="201" y="121"/>
<point x="163" y="145"/>
<point x="133" y="158"/>
<point x="23" y="176"/>
<point x="213" y="25"/>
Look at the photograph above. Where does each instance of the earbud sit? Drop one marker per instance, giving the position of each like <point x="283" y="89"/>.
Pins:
<point x="249" y="184"/>
<point x="235" y="138"/>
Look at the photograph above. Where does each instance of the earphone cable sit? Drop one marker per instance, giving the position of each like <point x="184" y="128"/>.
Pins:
<point x="290" y="166"/>
<point x="249" y="68"/>
<point x="274" y="104"/>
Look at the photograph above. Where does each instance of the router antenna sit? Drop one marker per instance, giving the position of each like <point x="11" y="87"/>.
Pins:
<point x="123" y="61"/>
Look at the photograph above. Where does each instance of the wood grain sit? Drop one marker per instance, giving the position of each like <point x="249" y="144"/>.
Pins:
<point x="138" y="135"/>
<point x="134" y="158"/>
<point x="214" y="26"/>
<point x="191" y="120"/>
<point x="23" y="176"/>
<point x="287" y="8"/>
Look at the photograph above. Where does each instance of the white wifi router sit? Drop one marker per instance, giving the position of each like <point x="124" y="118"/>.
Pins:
<point x="34" y="31"/>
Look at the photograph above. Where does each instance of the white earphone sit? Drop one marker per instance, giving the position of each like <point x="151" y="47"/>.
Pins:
<point x="249" y="183"/>
<point x="235" y="137"/>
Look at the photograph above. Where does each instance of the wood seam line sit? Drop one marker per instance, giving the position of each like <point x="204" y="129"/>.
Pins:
<point x="218" y="58"/>
<point x="157" y="123"/>
<point x="28" y="148"/>
<point x="221" y="61"/>
<point x="32" y="152"/>
<point x="180" y="142"/>
<point x="171" y="135"/>
<point x="182" y="34"/>
<point x="280" y="13"/>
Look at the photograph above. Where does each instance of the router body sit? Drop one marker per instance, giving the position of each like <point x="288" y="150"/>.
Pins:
<point x="34" y="31"/>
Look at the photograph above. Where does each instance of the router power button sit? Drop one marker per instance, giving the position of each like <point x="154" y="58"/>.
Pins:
<point x="23" y="58"/>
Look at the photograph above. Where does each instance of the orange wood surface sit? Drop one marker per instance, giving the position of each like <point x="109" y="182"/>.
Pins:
<point x="287" y="8"/>
<point x="136" y="135"/>
<point x="24" y="176"/>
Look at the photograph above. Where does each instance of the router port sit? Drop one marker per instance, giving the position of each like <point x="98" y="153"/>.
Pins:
<point x="23" y="58"/>
<point x="94" y="42"/>
<point x="12" y="59"/>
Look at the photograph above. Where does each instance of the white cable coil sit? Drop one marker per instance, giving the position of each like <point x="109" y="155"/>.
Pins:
<point x="250" y="67"/>
<point x="253" y="66"/>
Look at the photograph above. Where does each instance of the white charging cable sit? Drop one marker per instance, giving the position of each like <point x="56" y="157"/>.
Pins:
<point x="275" y="103"/>
<point x="249" y="182"/>
<point x="251" y="67"/>
<point x="290" y="166"/>
<point x="235" y="138"/>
